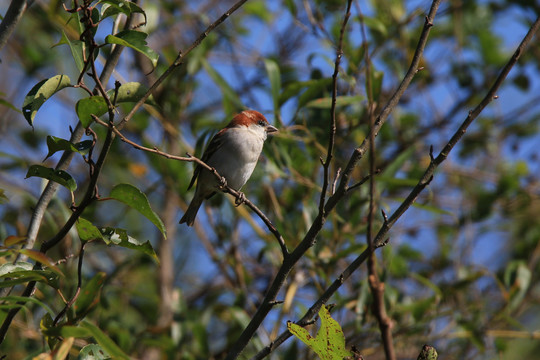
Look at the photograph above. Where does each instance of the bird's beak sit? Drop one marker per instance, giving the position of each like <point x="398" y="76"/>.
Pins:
<point x="271" y="129"/>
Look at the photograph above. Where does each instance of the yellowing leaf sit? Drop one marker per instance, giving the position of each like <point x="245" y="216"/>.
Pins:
<point x="329" y="343"/>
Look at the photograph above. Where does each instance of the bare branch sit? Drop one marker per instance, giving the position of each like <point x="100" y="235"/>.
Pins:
<point x="332" y="131"/>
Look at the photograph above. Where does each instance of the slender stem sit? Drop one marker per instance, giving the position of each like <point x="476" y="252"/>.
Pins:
<point x="333" y="127"/>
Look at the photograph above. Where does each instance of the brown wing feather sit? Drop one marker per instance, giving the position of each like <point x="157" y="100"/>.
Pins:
<point x="213" y="146"/>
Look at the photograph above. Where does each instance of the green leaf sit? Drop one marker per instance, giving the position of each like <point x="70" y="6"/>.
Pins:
<point x="136" y="199"/>
<point x="59" y="176"/>
<point x="89" y="296"/>
<point x="42" y="258"/>
<point x="23" y="300"/>
<point x="22" y="272"/>
<point x="314" y="90"/>
<point x="374" y="24"/>
<point x="135" y="40"/>
<point x="258" y="9"/>
<point x="517" y="278"/>
<point x="115" y="7"/>
<point x="94" y="105"/>
<point x="97" y="105"/>
<point x="40" y="93"/>
<point x="231" y="100"/>
<point x="376" y="83"/>
<point x="326" y="102"/>
<point x="93" y="352"/>
<point x="329" y="343"/>
<point x="87" y="231"/>
<point x="57" y="144"/>
<point x="131" y="92"/>
<point x="121" y="238"/>
<point x="274" y="76"/>
<point x="76" y="48"/>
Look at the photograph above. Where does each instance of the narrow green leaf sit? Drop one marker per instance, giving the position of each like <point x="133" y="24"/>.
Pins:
<point x="42" y="258"/>
<point x="326" y="102"/>
<point x="313" y="91"/>
<point x="59" y="176"/>
<point x="14" y="240"/>
<point x="42" y="91"/>
<point x="374" y="24"/>
<point x="121" y="238"/>
<point x="67" y="331"/>
<point x="329" y="343"/>
<point x="258" y="9"/>
<point x="24" y="299"/>
<point x="23" y="276"/>
<point x="89" y="296"/>
<point x="57" y="144"/>
<point x="87" y="231"/>
<point x="376" y="83"/>
<point x="115" y="7"/>
<point x="105" y="341"/>
<point x="231" y="100"/>
<point x="76" y="48"/>
<point x="131" y="92"/>
<point x="135" y="40"/>
<point x="135" y="198"/>
<point x="274" y="76"/>
<point x="94" y="105"/>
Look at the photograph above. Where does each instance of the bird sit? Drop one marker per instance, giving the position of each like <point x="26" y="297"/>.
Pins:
<point x="233" y="152"/>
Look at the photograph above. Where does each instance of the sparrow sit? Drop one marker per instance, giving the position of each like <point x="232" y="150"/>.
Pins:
<point x="233" y="152"/>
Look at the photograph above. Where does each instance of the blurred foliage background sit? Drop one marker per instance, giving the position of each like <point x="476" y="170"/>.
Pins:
<point x="461" y="268"/>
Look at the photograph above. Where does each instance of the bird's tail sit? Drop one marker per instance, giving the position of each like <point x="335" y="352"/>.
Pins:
<point x="189" y="216"/>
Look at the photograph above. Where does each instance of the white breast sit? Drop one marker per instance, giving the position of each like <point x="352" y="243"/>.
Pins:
<point x="237" y="157"/>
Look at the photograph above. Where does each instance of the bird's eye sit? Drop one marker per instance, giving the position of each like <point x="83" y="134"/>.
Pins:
<point x="262" y="123"/>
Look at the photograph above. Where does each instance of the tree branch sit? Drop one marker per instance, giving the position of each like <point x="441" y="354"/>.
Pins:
<point x="13" y="15"/>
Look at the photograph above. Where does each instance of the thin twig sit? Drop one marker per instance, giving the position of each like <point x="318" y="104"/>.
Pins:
<point x="79" y="285"/>
<point x="332" y="131"/>
<point x="375" y="285"/>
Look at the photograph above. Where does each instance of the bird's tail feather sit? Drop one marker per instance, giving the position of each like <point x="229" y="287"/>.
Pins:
<point x="191" y="213"/>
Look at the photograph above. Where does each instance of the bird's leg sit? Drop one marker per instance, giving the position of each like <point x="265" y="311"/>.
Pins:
<point x="240" y="199"/>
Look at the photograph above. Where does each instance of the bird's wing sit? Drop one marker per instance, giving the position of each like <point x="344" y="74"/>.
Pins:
<point x="213" y="146"/>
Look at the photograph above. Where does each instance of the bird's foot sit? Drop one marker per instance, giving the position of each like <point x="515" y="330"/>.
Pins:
<point x="222" y="182"/>
<point x="240" y="199"/>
